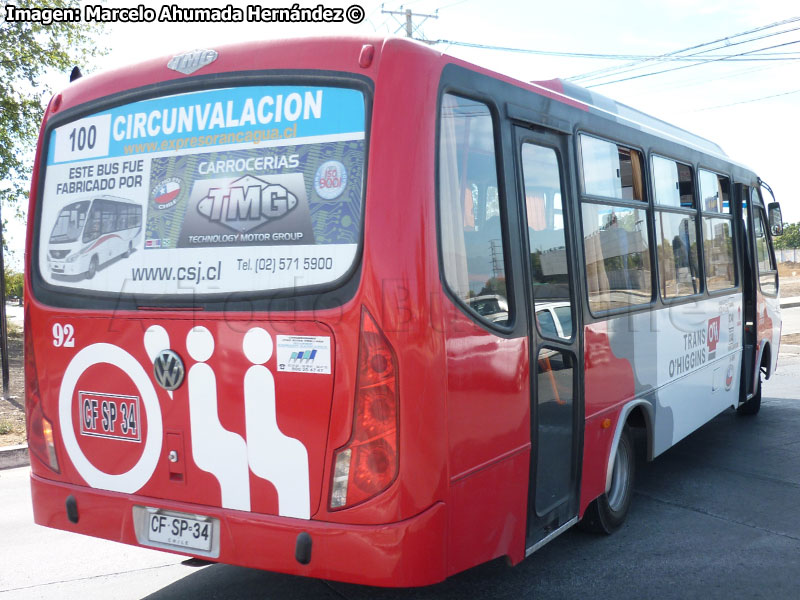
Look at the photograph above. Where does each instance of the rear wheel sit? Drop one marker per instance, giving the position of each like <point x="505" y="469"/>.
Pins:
<point x="608" y="512"/>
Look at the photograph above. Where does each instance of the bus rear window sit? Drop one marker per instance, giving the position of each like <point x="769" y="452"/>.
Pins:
<point x="244" y="189"/>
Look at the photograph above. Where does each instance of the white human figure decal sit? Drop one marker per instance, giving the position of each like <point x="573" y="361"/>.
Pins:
<point x="216" y="450"/>
<point x="273" y="456"/>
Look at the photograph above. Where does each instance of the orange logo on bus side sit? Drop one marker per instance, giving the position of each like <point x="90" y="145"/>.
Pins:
<point x="713" y="335"/>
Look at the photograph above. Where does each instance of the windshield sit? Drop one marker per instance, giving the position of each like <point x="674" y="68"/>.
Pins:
<point x="244" y="189"/>
<point x="69" y="223"/>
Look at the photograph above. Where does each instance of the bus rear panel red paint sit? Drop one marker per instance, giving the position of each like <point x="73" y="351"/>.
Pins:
<point x="276" y="369"/>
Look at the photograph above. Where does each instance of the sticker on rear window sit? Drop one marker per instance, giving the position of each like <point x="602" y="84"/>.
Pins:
<point x="243" y="189"/>
<point x="304" y="354"/>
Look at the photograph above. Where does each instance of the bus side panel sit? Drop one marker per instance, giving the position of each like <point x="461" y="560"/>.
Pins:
<point x="488" y="403"/>
<point x="608" y="383"/>
<point x="486" y="516"/>
<point x="769" y="330"/>
<point x="697" y="365"/>
<point x="683" y="360"/>
<point x="400" y="278"/>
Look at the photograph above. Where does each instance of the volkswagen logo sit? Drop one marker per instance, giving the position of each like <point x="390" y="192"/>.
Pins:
<point x="168" y="369"/>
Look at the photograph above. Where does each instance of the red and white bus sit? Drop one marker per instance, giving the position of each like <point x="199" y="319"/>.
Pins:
<point x="392" y="315"/>
<point x="91" y="232"/>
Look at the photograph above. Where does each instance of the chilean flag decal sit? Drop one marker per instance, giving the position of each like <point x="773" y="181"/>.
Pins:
<point x="165" y="194"/>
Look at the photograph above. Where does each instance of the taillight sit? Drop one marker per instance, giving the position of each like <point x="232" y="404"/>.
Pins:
<point x="368" y="463"/>
<point x="40" y="429"/>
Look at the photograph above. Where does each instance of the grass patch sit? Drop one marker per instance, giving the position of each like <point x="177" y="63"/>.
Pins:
<point x="6" y="427"/>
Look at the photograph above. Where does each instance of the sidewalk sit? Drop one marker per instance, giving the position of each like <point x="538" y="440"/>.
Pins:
<point x="791" y="302"/>
<point x="12" y="457"/>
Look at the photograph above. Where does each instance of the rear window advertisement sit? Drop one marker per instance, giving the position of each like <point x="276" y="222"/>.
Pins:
<point x="231" y="190"/>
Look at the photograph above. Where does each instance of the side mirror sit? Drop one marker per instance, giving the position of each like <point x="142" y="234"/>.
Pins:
<point x="775" y="219"/>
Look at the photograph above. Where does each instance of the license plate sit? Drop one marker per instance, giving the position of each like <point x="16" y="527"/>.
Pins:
<point x="181" y="531"/>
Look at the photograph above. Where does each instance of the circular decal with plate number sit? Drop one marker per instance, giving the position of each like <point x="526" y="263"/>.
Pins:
<point x="138" y="475"/>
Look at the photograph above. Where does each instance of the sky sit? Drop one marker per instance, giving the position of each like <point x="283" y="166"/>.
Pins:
<point x="749" y="107"/>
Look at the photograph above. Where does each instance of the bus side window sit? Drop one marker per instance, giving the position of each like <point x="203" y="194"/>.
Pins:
<point x="745" y="206"/>
<point x="93" y="225"/>
<point x="676" y="229"/>
<point x="615" y="232"/>
<point x="610" y="170"/>
<point x="546" y="240"/>
<point x="470" y="209"/>
<point x="109" y="217"/>
<point x="767" y="272"/>
<point x="717" y="231"/>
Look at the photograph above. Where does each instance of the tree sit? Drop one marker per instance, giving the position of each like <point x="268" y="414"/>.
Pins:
<point x="29" y="52"/>
<point x="790" y="238"/>
<point x="14" y="284"/>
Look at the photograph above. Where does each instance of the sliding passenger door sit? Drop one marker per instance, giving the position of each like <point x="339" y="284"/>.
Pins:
<point x="556" y="409"/>
<point x="749" y="287"/>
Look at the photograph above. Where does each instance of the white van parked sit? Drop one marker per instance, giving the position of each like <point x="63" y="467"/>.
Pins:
<point x="89" y="233"/>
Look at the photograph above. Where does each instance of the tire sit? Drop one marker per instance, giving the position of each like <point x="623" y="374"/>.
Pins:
<point x="608" y="512"/>
<point x="93" y="266"/>
<point x="752" y="406"/>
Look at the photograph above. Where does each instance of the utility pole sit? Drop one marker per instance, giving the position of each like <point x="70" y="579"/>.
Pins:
<point x="408" y="22"/>
<point x="3" y="328"/>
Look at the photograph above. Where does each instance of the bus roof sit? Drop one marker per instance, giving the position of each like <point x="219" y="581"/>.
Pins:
<point x="113" y="199"/>
<point x="559" y="89"/>
<point x="612" y="109"/>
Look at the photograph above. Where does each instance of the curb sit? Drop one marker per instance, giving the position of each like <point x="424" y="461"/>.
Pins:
<point x="792" y="304"/>
<point x="12" y="457"/>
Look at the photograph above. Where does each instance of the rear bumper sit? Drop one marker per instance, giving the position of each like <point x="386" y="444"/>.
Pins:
<point x="403" y="554"/>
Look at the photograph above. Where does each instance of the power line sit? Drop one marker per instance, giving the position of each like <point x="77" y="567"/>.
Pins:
<point x="409" y="15"/>
<point x="368" y="19"/>
<point x="702" y="80"/>
<point x="748" y="101"/>
<point x="620" y="70"/>
<point x="451" y="4"/>
<point x="538" y="52"/>
<point x="704" y="62"/>
<point x="695" y="47"/>
<point x="774" y="56"/>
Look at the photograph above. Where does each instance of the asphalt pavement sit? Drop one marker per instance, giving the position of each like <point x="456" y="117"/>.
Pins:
<point x="713" y="517"/>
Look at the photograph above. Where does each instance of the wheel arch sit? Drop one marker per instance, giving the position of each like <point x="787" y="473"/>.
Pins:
<point x="638" y="413"/>
<point x="765" y="355"/>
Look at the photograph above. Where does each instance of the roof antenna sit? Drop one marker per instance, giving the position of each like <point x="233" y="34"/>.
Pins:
<point x="76" y="74"/>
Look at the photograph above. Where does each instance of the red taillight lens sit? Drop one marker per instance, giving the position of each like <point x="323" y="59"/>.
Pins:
<point x="374" y="467"/>
<point x="368" y="464"/>
<point x="40" y="430"/>
<point x="377" y="411"/>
